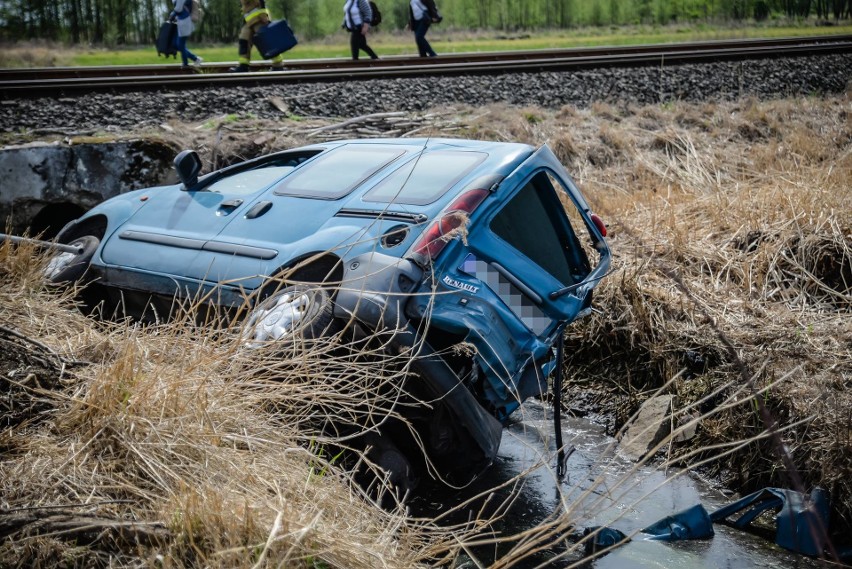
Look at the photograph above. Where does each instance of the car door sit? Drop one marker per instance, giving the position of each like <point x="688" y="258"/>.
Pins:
<point x="530" y="258"/>
<point x="172" y="230"/>
<point x="531" y="252"/>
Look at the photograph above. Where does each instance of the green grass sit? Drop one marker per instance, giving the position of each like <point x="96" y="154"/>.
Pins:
<point x="455" y="41"/>
<point x="210" y="53"/>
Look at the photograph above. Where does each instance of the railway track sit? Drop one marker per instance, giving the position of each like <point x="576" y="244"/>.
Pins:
<point x="61" y="80"/>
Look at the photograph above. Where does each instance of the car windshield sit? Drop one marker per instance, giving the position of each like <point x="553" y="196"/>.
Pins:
<point x="425" y="179"/>
<point x="250" y="181"/>
<point x="338" y="172"/>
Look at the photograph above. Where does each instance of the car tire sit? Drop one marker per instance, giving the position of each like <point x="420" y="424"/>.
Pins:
<point x="299" y="311"/>
<point x="382" y="452"/>
<point x="63" y="267"/>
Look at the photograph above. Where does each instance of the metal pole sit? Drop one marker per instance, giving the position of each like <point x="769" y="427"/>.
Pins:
<point x="46" y="244"/>
<point x="561" y="458"/>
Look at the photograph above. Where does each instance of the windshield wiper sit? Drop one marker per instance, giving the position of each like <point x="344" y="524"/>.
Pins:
<point x="571" y="288"/>
<point x="565" y="290"/>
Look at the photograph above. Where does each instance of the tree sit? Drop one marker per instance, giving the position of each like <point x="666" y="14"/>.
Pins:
<point x="566" y="13"/>
<point x="645" y="11"/>
<point x="109" y="22"/>
<point x="614" y="11"/>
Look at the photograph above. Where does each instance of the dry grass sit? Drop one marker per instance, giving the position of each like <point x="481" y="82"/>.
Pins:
<point x="732" y="234"/>
<point x="176" y="445"/>
<point x="732" y="231"/>
<point x="34" y="54"/>
<point x="731" y="225"/>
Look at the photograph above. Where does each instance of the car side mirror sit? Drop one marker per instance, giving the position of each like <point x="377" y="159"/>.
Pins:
<point x="188" y="165"/>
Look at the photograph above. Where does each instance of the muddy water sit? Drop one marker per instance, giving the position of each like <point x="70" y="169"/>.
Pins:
<point x="601" y="488"/>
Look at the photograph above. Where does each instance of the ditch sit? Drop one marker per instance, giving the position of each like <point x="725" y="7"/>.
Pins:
<point x="601" y="488"/>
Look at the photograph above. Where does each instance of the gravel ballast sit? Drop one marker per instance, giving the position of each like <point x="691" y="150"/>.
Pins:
<point x="765" y="78"/>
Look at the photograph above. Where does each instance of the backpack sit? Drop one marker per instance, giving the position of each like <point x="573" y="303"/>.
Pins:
<point x="196" y="12"/>
<point x="377" y="16"/>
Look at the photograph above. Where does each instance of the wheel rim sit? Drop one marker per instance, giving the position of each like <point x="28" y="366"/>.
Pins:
<point x="60" y="262"/>
<point x="277" y="318"/>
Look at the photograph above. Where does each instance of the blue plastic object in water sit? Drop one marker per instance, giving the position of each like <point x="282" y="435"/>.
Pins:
<point x="801" y="520"/>
<point x="691" y="523"/>
<point x="603" y="538"/>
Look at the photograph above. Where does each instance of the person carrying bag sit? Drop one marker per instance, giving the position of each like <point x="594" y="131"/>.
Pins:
<point x="181" y="15"/>
<point x="357" y="15"/>
<point x="422" y="14"/>
<point x="255" y="16"/>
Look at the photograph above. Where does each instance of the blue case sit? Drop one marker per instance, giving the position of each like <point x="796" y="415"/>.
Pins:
<point x="274" y="39"/>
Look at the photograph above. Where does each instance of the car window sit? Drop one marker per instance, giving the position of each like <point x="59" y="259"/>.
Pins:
<point x="250" y="181"/>
<point x="424" y="180"/>
<point x="534" y="223"/>
<point x="338" y="172"/>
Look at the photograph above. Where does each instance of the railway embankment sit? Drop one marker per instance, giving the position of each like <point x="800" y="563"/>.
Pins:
<point x="663" y="85"/>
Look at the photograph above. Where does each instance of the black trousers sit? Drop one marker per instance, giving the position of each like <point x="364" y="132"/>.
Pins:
<point x="421" y="26"/>
<point x="358" y="41"/>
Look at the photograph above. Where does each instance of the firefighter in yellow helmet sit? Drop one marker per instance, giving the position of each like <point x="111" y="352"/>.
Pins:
<point x="255" y="16"/>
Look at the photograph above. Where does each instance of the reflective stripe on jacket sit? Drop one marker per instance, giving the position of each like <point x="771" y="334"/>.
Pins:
<point x="252" y="8"/>
<point x="254" y="14"/>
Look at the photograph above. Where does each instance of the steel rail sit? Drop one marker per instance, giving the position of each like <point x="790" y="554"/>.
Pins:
<point x="18" y="74"/>
<point x="453" y="64"/>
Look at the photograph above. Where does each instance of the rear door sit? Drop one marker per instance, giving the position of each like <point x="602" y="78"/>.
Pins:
<point x="529" y="252"/>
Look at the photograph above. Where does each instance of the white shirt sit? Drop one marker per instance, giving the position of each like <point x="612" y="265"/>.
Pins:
<point x="419" y="10"/>
<point x="352" y="13"/>
<point x="184" y="25"/>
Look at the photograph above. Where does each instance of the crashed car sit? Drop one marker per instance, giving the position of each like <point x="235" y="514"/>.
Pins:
<point x="449" y="243"/>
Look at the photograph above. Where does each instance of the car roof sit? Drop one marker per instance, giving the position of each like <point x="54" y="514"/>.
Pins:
<point x="404" y="172"/>
<point x="490" y="146"/>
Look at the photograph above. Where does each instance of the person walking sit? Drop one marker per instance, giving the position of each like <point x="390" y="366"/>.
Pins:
<point x="181" y="15"/>
<point x="255" y="16"/>
<point x="357" y="16"/>
<point x="422" y="13"/>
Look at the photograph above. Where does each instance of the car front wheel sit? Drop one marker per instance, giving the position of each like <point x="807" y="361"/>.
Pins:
<point x="298" y="311"/>
<point x="65" y="267"/>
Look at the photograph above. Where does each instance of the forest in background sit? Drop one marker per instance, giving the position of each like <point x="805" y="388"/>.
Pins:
<point x="135" y="22"/>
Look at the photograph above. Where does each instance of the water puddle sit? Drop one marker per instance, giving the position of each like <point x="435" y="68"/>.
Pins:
<point x="601" y="488"/>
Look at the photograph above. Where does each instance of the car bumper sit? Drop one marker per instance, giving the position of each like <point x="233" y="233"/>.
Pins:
<point x="374" y="291"/>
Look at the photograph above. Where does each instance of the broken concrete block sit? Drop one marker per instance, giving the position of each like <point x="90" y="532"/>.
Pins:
<point x="651" y="425"/>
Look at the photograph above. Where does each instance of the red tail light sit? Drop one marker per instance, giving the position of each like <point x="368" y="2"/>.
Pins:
<point x="468" y="201"/>
<point x="434" y="239"/>
<point x="599" y="224"/>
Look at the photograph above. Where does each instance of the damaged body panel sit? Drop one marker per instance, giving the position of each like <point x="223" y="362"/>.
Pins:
<point x="473" y="254"/>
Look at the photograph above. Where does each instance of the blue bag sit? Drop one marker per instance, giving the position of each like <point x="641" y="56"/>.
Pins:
<point x="274" y="39"/>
